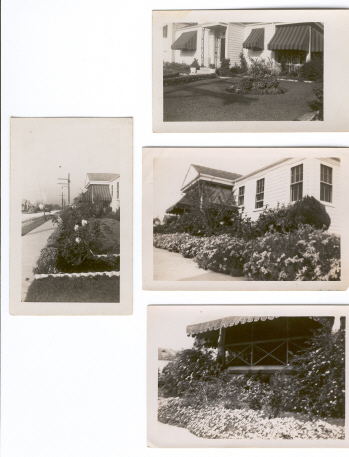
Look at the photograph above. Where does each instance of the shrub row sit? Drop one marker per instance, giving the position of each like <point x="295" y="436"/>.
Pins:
<point x="280" y="219"/>
<point x="306" y="254"/>
<point x="188" y="79"/>
<point x="266" y="85"/>
<point x="316" y="385"/>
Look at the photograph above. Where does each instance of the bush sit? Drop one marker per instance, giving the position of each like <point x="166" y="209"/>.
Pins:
<point x="313" y="70"/>
<point x="170" y="67"/>
<point x="318" y="385"/>
<point x="224" y="68"/>
<point x="195" y="64"/>
<point x="188" y="79"/>
<point x="263" y="85"/>
<point x="306" y="254"/>
<point x="47" y="262"/>
<point x="190" y="368"/>
<point x="260" y="68"/>
<point x="318" y="103"/>
<point x="307" y="211"/>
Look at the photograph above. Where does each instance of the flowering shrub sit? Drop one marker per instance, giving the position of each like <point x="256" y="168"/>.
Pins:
<point x="262" y="85"/>
<point x="171" y="242"/>
<point x="223" y="254"/>
<point x="307" y="254"/>
<point x="217" y="422"/>
<point x="193" y="373"/>
<point x="319" y="382"/>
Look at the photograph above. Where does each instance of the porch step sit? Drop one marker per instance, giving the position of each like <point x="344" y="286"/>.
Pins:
<point x="205" y="71"/>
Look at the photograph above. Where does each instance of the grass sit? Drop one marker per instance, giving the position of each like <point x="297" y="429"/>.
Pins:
<point x="98" y="289"/>
<point x="109" y="242"/>
<point x="34" y="223"/>
<point x="208" y="101"/>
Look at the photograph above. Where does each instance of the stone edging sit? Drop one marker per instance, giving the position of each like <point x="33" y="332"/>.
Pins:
<point x="77" y="275"/>
<point x="106" y="255"/>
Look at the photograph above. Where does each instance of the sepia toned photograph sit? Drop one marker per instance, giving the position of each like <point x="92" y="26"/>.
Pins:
<point x="217" y="70"/>
<point x="237" y="217"/>
<point x="219" y="379"/>
<point x="68" y="197"/>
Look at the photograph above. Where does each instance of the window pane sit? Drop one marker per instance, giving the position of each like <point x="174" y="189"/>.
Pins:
<point x="326" y="174"/>
<point x="297" y="192"/>
<point x="325" y="192"/>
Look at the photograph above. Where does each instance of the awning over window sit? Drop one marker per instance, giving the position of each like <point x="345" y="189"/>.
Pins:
<point x="186" y="42"/>
<point x="317" y="41"/>
<point x="294" y="37"/>
<point x="97" y="193"/>
<point x="255" y="40"/>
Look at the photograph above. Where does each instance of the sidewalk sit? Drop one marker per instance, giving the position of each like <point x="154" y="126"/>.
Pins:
<point x="170" y="436"/>
<point x="171" y="266"/>
<point x="32" y="243"/>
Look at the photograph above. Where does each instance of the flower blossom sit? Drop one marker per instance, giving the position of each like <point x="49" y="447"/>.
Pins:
<point x="77" y="240"/>
<point x="76" y="228"/>
<point x="83" y="222"/>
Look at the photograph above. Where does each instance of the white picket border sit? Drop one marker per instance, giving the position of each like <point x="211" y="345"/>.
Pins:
<point x="77" y="275"/>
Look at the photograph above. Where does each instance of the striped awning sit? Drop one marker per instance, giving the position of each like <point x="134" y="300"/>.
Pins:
<point x="186" y="42"/>
<point x="226" y="322"/>
<point x="290" y="37"/>
<point x="317" y="41"/>
<point x="97" y="193"/>
<point x="183" y="203"/>
<point x="255" y="40"/>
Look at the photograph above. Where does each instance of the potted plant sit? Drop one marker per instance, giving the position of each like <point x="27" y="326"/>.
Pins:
<point x="194" y="67"/>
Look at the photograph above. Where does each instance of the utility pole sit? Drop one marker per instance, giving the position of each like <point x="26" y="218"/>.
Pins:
<point x="62" y="199"/>
<point x="67" y="184"/>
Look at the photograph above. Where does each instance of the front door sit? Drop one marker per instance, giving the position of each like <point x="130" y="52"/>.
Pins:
<point x="223" y="47"/>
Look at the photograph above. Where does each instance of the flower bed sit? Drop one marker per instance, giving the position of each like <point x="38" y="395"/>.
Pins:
<point x="217" y="422"/>
<point x="306" y="254"/>
<point x="268" y="85"/>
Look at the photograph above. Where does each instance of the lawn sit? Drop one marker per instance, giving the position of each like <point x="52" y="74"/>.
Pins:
<point x="208" y="101"/>
<point x="98" y="289"/>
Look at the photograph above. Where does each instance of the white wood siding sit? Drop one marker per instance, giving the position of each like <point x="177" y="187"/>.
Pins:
<point x="234" y="40"/>
<point x="277" y="187"/>
<point x="269" y="31"/>
<point x="188" y="56"/>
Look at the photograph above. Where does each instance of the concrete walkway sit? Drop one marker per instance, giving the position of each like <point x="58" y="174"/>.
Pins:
<point x="171" y="436"/>
<point x="32" y="243"/>
<point x="171" y="266"/>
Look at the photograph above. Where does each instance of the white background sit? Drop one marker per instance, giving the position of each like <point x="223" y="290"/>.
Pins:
<point x="76" y="386"/>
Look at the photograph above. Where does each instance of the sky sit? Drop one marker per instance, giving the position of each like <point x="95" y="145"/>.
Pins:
<point x="169" y="172"/>
<point x="52" y="148"/>
<point x="168" y="323"/>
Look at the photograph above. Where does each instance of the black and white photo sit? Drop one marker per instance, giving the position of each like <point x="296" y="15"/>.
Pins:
<point x="226" y="380"/>
<point x="70" y="180"/>
<point x="219" y="73"/>
<point x="237" y="218"/>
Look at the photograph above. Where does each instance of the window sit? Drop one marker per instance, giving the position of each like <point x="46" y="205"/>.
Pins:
<point x="164" y="31"/>
<point x="112" y="190"/>
<point x="326" y="184"/>
<point x="241" y="199"/>
<point x="297" y="183"/>
<point x="117" y="191"/>
<point x="260" y="193"/>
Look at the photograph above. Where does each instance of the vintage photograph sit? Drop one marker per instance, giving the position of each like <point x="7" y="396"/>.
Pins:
<point x="238" y="217"/>
<point x="218" y="70"/>
<point x="222" y="376"/>
<point x="70" y="183"/>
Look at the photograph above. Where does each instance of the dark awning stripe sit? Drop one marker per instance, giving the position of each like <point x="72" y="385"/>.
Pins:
<point x="97" y="193"/>
<point x="294" y="37"/>
<point x="186" y="42"/>
<point x="255" y="40"/>
<point x="317" y="41"/>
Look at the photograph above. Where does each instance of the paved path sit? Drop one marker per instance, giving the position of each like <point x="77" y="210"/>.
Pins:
<point x="171" y="266"/>
<point x="32" y="243"/>
<point x="170" y="436"/>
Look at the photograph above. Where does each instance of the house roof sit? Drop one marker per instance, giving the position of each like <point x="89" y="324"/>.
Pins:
<point x="183" y="203"/>
<point x="217" y="173"/>
<point x="230" y="321"/>
<point x="102" y="176"/>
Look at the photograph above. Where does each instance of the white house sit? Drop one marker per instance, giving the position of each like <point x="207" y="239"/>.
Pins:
<point x="103" y="188"/>
<point x="289" y="180"/>
<point x="210" y="42"/>
<point x="283" y="182"/>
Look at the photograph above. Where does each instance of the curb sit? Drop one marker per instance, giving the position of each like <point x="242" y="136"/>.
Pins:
<point x="77" y="275"/>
